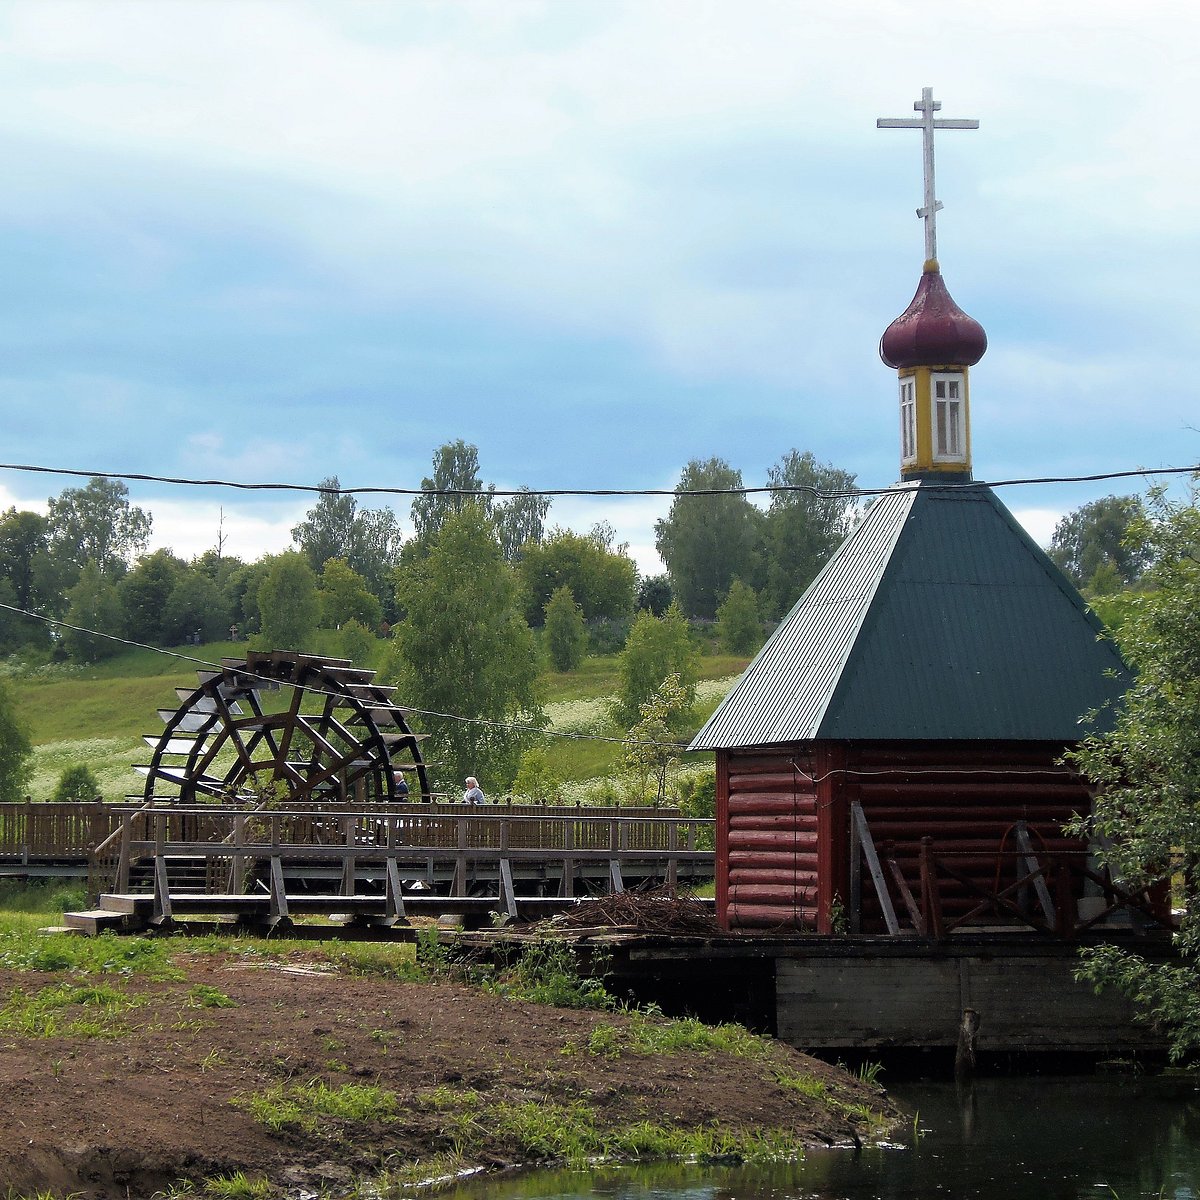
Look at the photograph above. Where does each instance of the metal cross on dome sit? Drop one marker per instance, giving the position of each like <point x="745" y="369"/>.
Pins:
<point x="926" y="123"/>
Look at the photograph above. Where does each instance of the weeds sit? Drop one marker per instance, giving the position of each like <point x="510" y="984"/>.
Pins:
<point x="302" y="1107"/>
<point x="66" y="1010"/>
<point x="804" y="1085"/>
<point x="238" y="1186"/>
<point x="547" y="973"/>
<point x="646" y="1036"/>
<point x="103" y="955"/>
<point x="203" y="995"/>
<point x="570" y="1133"/>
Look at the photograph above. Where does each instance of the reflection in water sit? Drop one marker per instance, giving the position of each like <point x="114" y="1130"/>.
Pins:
<point x="998" y="1139"/>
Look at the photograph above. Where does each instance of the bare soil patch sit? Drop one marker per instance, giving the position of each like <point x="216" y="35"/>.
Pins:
<point x="123" y="1116"/>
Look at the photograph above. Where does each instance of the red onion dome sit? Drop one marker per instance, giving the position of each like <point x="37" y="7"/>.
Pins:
<point x="932" y="331"/>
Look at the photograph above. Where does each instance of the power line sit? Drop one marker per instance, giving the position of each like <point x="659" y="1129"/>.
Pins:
<point x="516" y="726"/>
<point x="759" y="489"/>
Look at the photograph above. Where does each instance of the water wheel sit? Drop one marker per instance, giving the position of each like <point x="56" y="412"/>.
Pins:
<point x="320" y="727"/>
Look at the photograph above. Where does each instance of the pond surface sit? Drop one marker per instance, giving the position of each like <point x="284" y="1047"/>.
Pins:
<point x="1130" y="1137"/>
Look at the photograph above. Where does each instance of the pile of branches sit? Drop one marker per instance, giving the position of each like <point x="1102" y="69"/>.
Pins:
<point x="656" y="910"/>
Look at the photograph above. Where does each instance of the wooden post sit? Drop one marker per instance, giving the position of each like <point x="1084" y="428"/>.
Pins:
<point x="964" y="1058"/>
<point x="349" y="866"/>
<point x="394" y="891"/>
<point x="855" y="869"/>
<point x="672" y="861"/>
<point x="237" y="873"/>
<point x="566" y="886"/>
<point x="1064" y="905"/>
<point x="459" y="886"/>
<point x="162" y="886"/>
<point x="614" y="856"/>
<point x="122" y="880"/>
<point x="930" y="896"/>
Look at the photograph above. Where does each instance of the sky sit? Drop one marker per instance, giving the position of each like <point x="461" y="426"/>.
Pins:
<point x="275" y="242"/>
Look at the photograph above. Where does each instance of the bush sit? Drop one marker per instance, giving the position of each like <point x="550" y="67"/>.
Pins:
<point x="76" y="784"/>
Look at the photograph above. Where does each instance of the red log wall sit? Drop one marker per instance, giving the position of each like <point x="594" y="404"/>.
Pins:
<point x="767" y="840"/>
<point x="783" y="822"/>
<point x="966" y="797"/>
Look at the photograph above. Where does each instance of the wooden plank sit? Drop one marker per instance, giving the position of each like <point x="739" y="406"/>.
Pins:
<point x="506" y="888"/>
<point x="868" y="849"/>
<point x="1034" y="869"/>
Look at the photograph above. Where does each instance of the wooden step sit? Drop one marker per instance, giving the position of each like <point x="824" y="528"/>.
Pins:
<point x="95" y="920"/>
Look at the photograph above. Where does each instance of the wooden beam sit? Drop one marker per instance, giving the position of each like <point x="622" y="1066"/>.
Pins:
<point x="868" y="849"/>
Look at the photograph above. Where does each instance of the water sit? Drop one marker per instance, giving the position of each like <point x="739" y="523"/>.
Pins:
<point x="1100" y="1137"/>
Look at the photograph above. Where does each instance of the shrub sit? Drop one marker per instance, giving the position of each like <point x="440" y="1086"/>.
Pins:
<point x="76" y="784"/>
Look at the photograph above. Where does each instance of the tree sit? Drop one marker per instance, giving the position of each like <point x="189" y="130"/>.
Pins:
<point x="329" y="527"/>
<point x="196" y="605"/>
<point x="345" y="597"/>
<point x="23" y="536"/>
<point x="657" y="647"/>
<point x="16" y="749"/>
<point x="652" y="749"/>
<point x="380" y="541"/>
<point x="93" y="608"/>
<point x="536" y="780"/>
<point x="1101" y="538"/>
<point x="23" y="542"/>
<point x="144" y="593"/>
<point x="464" y="650"/>
<point x="1147" y="769"/>
<point x="456" y="470"/>
<point x="97" y="523"/>
<point x="602" y="580"/>
<point x="287" y="602"/>
<point x="654" y="594"/>
<point x="358" y="643"/>
<point x="368" y="540"/>
<point x="739" y="625"/>
<point x="520" y="521"/>
<point x="707" y="541"/>
<point x="803" y="527"/>
<point x="565" y="631"/>
<point x="76" y="784"/>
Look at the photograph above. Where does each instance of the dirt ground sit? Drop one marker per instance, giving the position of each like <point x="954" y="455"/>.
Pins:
<point x="127" y="1115"/>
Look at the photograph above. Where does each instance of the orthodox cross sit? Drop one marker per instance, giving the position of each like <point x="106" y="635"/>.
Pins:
<point x="926" y="123"/>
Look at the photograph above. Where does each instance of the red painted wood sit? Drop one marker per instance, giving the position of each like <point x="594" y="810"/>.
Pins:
<point x="741" y="839"/>
<point x="778" y="875"/>
<point x="770" y="805"/>
<point x="781" y="897"/>
<point x="766" y="916"/>
<point x="722" y="838"/>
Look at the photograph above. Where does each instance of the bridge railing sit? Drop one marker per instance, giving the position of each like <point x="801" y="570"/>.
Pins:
<point x="54" y="831"/>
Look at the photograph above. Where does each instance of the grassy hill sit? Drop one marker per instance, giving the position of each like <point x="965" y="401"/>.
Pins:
<point x="97" y="716"/>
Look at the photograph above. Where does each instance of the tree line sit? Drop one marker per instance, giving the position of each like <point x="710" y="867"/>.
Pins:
<point x="467" y="605"/>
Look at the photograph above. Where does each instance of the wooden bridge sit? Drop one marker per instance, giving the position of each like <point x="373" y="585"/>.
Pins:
<point x="150" y="864"/>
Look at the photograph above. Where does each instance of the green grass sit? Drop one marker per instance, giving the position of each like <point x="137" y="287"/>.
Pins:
<point x="572" y="1133"/>
<point x="304" y="1106"/>
<point x="96" y="716"/>
<point x="67" y="1010"/>
<point x="646" y="1036"/>
<point x="22" y="948"/>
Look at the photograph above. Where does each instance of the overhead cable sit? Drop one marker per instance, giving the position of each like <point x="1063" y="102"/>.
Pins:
<point x="755" y="490"/>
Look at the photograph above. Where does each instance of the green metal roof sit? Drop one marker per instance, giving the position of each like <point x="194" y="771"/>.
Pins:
<point x="938" y="618"/>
